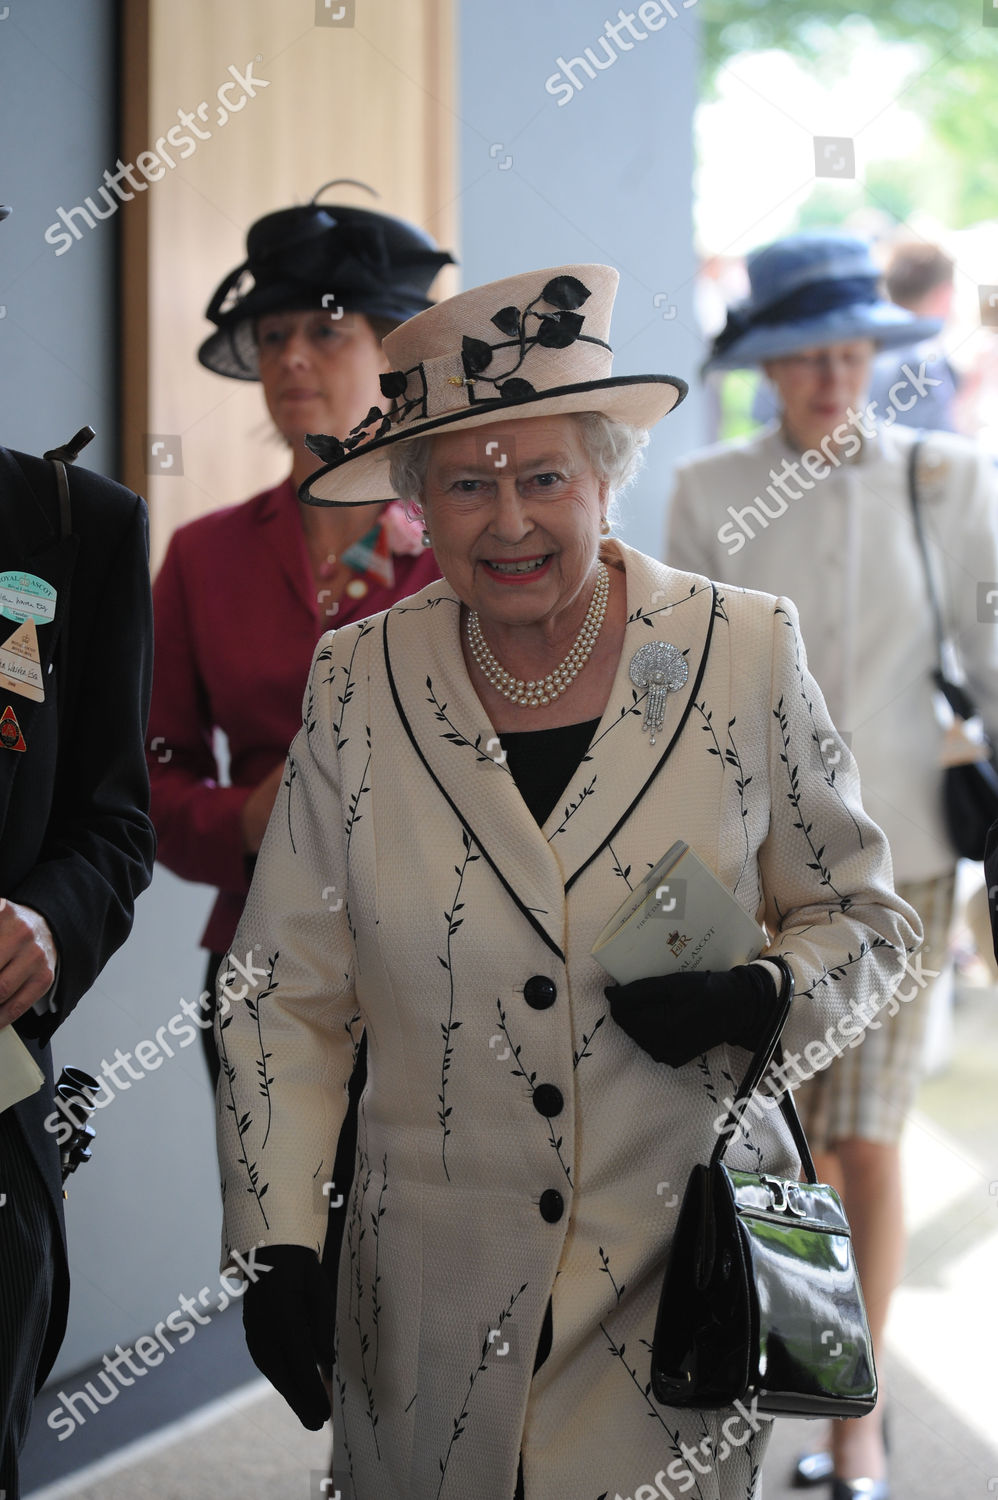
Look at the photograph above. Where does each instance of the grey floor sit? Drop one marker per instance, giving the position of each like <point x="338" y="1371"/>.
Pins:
<point x="942" y="1372"/>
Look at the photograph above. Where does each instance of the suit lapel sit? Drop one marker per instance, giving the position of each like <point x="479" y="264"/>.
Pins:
<point x="29" y="541"/>
<point x="457" y="743"/>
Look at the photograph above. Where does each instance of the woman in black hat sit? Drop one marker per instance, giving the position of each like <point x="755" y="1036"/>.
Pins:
<point x="244" y="593"/>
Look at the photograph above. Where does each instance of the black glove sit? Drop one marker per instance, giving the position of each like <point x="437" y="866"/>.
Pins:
<point x="675" y="1017"/>
<point x="288" y="1316"/>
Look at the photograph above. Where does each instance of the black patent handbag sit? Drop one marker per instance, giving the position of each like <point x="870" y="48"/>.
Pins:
<point x="761" y="1301"/>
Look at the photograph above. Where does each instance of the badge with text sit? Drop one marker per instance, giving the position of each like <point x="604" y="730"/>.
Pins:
<point x="20" y="664"/>
<point x="11" y="737"/>
<point x="25" y="596"/>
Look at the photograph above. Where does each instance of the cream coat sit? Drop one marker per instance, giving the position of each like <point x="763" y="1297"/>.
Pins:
<point x="845" y="552"/>
<point x="403" y="886"/>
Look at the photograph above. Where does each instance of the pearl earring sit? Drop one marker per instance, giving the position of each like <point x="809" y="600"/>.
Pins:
<point x="425" y="538"/>
<point x="604" y="527"/>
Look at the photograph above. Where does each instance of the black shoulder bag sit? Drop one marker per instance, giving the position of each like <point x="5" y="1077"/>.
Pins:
<point x="970" y="790"/>
<point x="761" y="1301"/>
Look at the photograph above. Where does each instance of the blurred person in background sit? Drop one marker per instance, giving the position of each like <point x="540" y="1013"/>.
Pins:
<point x="919" y="278"/>
<point x="245" y="592"/>
<point x="76" y="848"/>
<point x="816" y="506"/>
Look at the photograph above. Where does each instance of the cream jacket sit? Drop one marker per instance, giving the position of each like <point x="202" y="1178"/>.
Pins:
<point x="845" y="552"/>
<point x="514" y="1144"/>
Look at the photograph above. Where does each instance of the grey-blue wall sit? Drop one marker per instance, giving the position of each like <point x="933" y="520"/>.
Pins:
<point x="143" y="1215"/>
<point x="57" y="336"/>
<point x="605" y="175"/>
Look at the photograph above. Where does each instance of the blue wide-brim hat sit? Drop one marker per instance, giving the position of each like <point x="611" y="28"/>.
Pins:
<point x="808" y="290"/>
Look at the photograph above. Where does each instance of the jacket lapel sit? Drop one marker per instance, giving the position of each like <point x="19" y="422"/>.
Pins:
<point x="457" y="743"/>
<point x="29" y="542"/>
<point x="284" y="540"/>
<point x="621" y="765"/>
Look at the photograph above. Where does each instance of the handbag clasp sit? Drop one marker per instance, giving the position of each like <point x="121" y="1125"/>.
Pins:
<point x="780" y="1196"/>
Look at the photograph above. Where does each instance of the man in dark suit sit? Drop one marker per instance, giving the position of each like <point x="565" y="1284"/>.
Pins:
<point x="76" y="848"/>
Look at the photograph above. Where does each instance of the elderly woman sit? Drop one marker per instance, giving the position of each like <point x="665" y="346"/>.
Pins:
<point x="480" y="774"/>
<point x="818" y="504"/>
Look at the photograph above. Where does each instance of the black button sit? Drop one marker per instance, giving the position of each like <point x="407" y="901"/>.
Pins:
<point x="548" y="1100"/>
<point x="552" y="1205"/>
<point x="540" y="992"/>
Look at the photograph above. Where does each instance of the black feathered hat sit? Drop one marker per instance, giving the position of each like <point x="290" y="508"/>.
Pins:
<point x="354" y="258"/>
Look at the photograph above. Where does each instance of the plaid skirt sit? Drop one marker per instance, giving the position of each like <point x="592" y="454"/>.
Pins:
<point x="867" y="1092"/>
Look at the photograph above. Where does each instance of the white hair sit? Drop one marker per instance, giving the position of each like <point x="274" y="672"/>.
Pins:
<point x="613" y="450"/>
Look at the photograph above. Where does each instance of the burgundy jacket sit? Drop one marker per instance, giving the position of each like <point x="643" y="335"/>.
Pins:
<point x="237" y="619"/>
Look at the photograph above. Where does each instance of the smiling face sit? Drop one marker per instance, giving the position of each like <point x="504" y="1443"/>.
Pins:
<point x="513" y="510"/>
<point x="817" y="386"/>
<point x="319" y="373"/>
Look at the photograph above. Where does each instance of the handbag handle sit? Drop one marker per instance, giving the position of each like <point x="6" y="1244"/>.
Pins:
<point x="767" y="1049"/>
<point x="955" y="694"/>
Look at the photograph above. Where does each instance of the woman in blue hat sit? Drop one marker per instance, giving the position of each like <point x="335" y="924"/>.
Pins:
<point x="817" y="506"/>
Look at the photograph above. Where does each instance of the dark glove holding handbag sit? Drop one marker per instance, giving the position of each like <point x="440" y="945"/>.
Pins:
<point x="288" y="1317"/>
<point x="675" y="1017"/>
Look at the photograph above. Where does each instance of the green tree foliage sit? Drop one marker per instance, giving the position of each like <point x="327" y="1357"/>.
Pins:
<point x="954" y="68"/>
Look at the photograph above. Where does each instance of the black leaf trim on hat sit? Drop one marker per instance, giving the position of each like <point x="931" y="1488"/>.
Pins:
<point x="393" y="383"/>
<point x="516" y="390"/>
<point x="332" y="451"/>
<point x="566" y="292"/>
<point x="507" y="320"/>
<point x="476" y="355"/>
<point x="552" y="330"/>
<point x="329" y="449"/>
<point x="559" y="330"/>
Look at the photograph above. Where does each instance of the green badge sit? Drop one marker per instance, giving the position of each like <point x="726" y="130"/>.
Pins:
<point x="25" y="596"/>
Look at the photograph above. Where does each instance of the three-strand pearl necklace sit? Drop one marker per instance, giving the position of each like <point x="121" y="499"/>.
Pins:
<point x="537" y="692"/>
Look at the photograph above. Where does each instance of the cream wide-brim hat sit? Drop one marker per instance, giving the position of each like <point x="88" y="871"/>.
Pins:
<point x="532" y="345"/>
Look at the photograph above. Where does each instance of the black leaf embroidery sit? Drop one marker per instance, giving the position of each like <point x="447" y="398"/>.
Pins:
<point x="460" y="1421"/>
<point x="530" y="1079"/>
<point x="448" y="1027"/>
